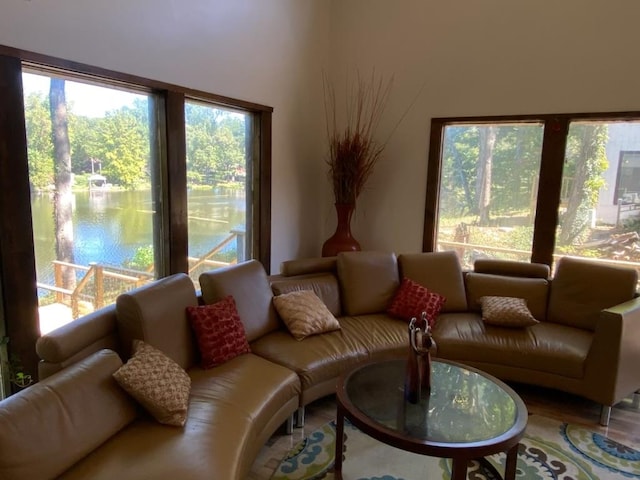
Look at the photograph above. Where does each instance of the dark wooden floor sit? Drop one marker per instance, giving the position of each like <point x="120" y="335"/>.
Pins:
<point x="624" y="426"/>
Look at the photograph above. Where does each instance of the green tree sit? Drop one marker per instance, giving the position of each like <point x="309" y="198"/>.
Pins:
<point x="216" y="149"/>
<point x="485" y="173"/>
<point x="585" y="163"/>
<point x="489" y="170"/>
<point x="124" y="149"/>
<point x="229" y="154"/>
<point x="40" y="145"/>
<point x="516" y="165"/>
<point x="84" y="135"/>
<point x="459" y="170"/>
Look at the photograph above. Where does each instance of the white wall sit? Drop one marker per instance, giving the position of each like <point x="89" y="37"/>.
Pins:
<point x="269" y="52"/>
<point x="482" y="57"/>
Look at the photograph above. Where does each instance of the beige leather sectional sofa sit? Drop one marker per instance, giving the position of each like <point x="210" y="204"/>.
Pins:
<point x="78" y="423"/>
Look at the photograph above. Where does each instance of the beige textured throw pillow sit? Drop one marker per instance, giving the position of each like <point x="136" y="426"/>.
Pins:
<point x="304" y="314"/>
<point x="506" y="312"/>
<point x="158" y="383"/>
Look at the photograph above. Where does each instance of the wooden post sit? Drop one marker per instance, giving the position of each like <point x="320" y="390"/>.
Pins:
<point x="19" y="293"/>
<point x="618" y="214"/>
<point x="57" y="281"/>
<point x="240" y="244"/>
<point x="99" y="284"/>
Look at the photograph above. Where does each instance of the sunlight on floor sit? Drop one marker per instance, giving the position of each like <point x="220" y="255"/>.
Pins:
<point x="53" y="316"/>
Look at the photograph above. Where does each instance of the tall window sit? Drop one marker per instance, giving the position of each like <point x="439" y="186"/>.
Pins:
<point x="536" y="188"/>
<point x="218" y="196"/>
<point x="488" y="189"/>
<point x="108" y="180"/>
<point x="92" y="179"/>
<point x="599" y="211"/>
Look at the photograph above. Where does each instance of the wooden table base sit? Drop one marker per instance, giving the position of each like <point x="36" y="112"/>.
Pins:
<point x="459" y="465"/>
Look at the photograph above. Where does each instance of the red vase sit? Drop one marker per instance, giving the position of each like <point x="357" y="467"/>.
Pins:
<point x="341" y="241"/>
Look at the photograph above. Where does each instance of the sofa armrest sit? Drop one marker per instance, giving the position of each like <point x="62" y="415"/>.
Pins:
<point x="77" y="340"/>
<point x="612" y="363"/>
<point x="48" y="427"/>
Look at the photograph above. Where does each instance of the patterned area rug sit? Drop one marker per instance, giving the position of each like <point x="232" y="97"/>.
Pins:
<point x="549" y="450"/>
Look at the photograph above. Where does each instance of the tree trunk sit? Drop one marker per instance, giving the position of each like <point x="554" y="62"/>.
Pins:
<point x="468" y="198"/>
<point x="571" y="226"/>
<point x="63" y="208"/>
<point x="485" y="166"/>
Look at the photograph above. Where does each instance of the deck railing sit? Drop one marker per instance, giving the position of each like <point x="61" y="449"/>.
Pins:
<point x="88" y="290"/>
<point x="98" y="284"/>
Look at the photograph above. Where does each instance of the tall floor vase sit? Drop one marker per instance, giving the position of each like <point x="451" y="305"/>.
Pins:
<point x="342" y="240"/>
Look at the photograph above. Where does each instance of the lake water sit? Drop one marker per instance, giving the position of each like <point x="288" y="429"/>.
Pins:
<point x="109" y="227"/>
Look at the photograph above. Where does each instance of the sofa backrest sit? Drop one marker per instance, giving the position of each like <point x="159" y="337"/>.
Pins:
<point x="581" y="289"/>
<point x="50" y="426"/>
<point x="249" y="285"/>
<point x="535" y="291"/>
<point x="439" y="272"/>
<point x="368" y="281"/>
<point x="156" y="313"/>
<point x="512" y="268"/>
<point x="506" y="278"/>
<point x="324" y="285"/>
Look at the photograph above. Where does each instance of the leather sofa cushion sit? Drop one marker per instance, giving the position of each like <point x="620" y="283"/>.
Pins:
<point x="382" y="335"/>
<point x="55" y="423"/>
<point x="581" y="289"/>
<point x="315" y="359"/>
<point x="325" y="286"/>
<point x="212" y="440"/>
<point x="249" y="285"/>
<point x="156" y="313"/>
<point x="368" y="281"/>
<point x="440" y="272"/>
<point x="533" y="290"/>
<point x="254" y="386"/>
<point x="548" y="347"/>
<point x="229" y="408"/>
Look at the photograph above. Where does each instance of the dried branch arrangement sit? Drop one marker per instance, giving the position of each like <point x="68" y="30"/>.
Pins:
<point x="353" y="150"/>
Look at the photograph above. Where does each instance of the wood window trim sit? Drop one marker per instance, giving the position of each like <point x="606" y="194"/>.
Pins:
<point x="17" y="263"/>
<point x="552" y="161"/>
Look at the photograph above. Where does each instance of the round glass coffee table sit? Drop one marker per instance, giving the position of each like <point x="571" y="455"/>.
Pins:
<point x="468" y="415"/>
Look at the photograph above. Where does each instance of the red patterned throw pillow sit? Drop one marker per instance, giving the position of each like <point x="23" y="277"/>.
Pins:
<point x="219" y="332"/>
<point x="412" y="299"/>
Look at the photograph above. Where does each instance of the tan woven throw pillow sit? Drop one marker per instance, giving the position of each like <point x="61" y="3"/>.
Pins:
<point x="304" y="314"/>
<point x="506" y="312"/>
<point x="158" y="383"/>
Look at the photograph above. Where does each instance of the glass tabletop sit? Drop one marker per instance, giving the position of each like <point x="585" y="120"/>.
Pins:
<point x="464" y="406"/>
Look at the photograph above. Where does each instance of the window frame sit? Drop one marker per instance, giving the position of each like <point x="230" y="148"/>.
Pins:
<point x="623" y="153"/>
<point x="17" y="262"/>
<point x="556" y="130"/>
